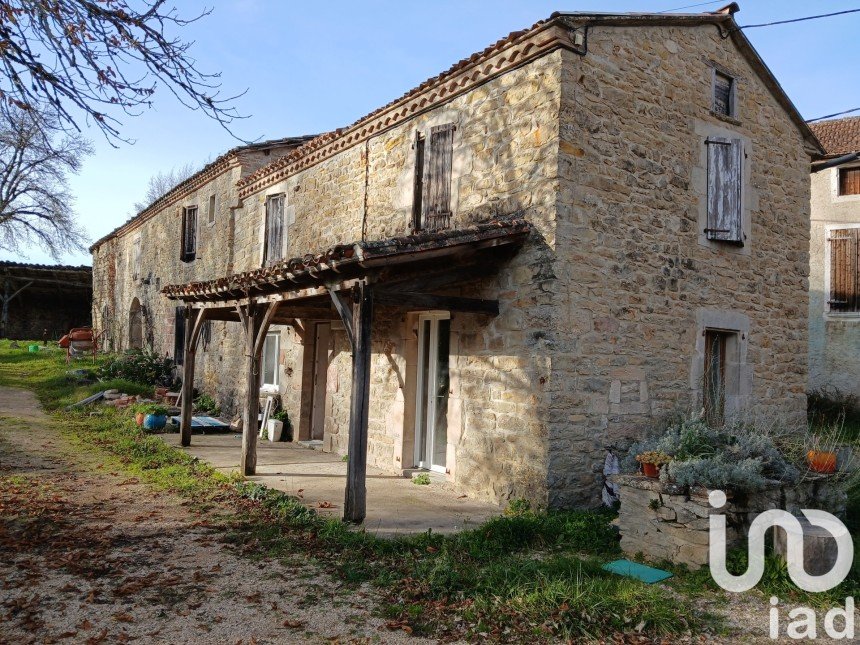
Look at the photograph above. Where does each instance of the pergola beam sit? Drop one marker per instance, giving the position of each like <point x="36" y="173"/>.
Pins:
<point x="355" y="501"/>
<point x="253" y="319"/>
<point x="194" y="320"/>
<point x="424" y="301"/>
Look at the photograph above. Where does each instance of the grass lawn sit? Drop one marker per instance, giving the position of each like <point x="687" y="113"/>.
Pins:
<point x="527" y="576"/>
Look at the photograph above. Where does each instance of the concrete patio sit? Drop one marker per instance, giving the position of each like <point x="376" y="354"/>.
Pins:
<point x="394" y="504"/>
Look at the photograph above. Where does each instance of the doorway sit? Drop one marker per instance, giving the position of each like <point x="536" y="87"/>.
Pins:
<point x="431" y="414"/>
<point x="322" y="332"/>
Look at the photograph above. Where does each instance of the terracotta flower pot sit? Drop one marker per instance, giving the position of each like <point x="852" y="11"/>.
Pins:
<point x="651" y="470"/>
<point x="138" y="417"/>
<point x="821" y="461"/>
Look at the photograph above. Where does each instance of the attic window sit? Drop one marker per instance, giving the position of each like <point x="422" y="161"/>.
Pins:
<point x="724" y="94"/>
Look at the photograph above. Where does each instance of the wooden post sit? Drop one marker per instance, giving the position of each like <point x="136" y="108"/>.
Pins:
<point x="355" y="503"/>
<point x="194" y="319"/>
<point x="252" y="320"/>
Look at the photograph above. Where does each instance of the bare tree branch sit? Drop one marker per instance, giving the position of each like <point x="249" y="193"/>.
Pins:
<point x="36" y="206"/>
<point x="102" y="57"/>
<point x="162" y="183"/>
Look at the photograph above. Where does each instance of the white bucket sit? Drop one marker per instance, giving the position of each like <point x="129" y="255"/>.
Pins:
<point x="275" y="428"/>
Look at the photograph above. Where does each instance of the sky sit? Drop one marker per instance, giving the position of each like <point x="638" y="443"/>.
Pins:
<point x="310" y="67"/>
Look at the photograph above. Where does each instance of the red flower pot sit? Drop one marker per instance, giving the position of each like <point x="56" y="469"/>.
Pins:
<point x="822" y="461"/>
<point x="651" y="470"/>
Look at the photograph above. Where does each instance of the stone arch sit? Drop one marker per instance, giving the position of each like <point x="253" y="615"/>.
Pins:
<point x="135" y="325"/>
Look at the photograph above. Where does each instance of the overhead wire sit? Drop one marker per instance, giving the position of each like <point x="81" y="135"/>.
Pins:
<point x="830" y="116"/>
<point x="690" y="6"/>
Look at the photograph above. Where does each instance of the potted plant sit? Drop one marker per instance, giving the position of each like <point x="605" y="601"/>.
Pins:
<point x="819" y="460"/>
<point x="139" y="411"/>
<point x="651" y="462"/>
<point x="277" y="423"/>
<point x="155" y="417"/>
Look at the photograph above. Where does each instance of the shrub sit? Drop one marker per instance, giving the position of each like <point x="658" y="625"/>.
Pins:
<point x="422" y="480"/>
<point x="140" y="366"/>
<point x="737" y="457"/>
<point x="206" y="404"/>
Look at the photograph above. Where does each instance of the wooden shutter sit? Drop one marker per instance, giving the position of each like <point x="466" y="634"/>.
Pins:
<point x="725" y="178"/>
<point x="418" y="191"/>
<point x="844" y="269"/>
<point x="274" y="234"/>
<point x="437" y="178"/>
<point x="179" y="336"/>
<point x="189" y="234"/>
<point x="182" y="235"/>
<point x="849" y="181"/>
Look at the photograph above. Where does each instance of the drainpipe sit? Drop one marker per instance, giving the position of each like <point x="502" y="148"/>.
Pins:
<point x="836" y="162"/>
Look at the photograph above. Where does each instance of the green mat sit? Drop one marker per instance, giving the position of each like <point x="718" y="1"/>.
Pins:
<point x="646" y="574"/>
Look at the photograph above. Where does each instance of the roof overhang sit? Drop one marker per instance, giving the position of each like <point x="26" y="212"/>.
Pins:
<point x="400" y="259"/>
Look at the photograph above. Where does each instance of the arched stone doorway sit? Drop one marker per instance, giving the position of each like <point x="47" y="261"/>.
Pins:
<point x="135" y="325"/>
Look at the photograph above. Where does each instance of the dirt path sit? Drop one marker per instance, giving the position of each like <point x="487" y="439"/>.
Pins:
<point x="90" y="556"/>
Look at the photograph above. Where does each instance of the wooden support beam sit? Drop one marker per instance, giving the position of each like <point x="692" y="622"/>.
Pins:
<point x="344" y="309"/>
<point x="264" y="327"/>
<point x="194" y="320"/>
<point x="413" y="300"/>
<point x="253" y="318"/>
<point x="355" y="502"/>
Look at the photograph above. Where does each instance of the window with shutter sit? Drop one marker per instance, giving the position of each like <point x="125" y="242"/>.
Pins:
<point x="273" y="244"/>
<point x="725" y="177"/>
<point x="849" y="181"/>
<point x="435" y="180"/>
<point x="189" y="234"/>
<point x="179" y="335"/>
<point x="844" y="270"/>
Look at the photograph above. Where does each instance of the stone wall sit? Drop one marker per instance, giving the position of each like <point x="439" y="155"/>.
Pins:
<point x="504" y="162"/>
<point x="640" y="284"/>
<point x="834" y="338"/>
<point x="661" y="522"/>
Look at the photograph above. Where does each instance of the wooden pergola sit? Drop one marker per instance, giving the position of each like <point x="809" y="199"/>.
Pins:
<point x="344" y="283"/>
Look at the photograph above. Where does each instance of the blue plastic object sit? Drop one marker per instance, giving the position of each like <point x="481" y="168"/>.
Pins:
<point x="648" y="575"/>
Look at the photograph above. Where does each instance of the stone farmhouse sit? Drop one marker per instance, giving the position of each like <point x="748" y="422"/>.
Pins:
<point x="539" y="253"/>
<point x="834" y="253"/>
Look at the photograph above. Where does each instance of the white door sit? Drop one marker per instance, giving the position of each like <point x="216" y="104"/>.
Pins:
<point x="431" y="417"/>
<point x="321" y="335"/>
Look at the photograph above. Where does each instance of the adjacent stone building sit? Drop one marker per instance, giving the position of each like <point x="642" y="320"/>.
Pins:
<point x="43" y="302"/>
<point x="834" y="253"/>
<point x="592" y="223"/>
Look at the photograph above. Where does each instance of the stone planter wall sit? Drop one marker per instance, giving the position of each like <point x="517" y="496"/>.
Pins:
<point x="662" y="522"/>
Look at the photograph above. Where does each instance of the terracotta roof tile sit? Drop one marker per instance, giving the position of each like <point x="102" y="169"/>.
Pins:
<point x="310" y="269"/>
<point x="838" y="136"/>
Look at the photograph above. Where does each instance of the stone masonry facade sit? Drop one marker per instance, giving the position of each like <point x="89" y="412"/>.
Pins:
<point x="601" y="313"/>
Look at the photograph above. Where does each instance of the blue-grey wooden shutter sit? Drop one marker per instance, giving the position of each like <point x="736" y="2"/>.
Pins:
<point x="725" y="178"/>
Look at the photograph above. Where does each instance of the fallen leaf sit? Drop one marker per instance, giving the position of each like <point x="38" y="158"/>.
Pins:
<point x="123" y="617"/>
<point x="294" y="624"/>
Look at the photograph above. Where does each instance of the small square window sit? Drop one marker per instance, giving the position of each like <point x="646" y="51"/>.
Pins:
<point x="849" y="181"/>
<point x="724" y="94"/>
